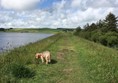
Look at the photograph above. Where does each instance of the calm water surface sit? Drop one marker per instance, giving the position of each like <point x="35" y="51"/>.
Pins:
<point x="13" y="40"/>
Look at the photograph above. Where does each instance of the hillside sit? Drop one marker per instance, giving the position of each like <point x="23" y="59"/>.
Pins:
<point x="74" y="60"/>
<point x="30" y="30"/>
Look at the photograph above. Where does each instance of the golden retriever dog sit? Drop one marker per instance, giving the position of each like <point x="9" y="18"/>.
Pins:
<point x="44" y="56"/>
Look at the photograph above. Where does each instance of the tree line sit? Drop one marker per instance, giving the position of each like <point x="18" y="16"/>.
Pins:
<point x="3" y="29"/>
<point x="104" y="31"/>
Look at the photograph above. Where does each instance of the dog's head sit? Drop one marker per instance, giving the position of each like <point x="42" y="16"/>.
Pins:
<point x="38" y="55"/>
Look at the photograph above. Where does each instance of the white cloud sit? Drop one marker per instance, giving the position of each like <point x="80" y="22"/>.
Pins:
<point x="103" y="3"/>
<point x="84" y="4"/>
<point x="63" y="14"/>
<point x="18" y="4"/>
<point x="79" y="4"/>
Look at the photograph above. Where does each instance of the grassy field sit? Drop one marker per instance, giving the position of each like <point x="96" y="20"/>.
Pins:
<point x="74" y="60"/>
<point x="33" y="30"/>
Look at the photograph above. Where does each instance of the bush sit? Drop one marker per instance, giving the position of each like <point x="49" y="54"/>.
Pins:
<point x="112" y="41"/>
<point x="95" y="36"/>
<point x="86" y="35"/>
<point x="112" y="38"/>
<point x="20" y="71"/>
<point x="103" y="40"/>
<point x="78" y="30"/>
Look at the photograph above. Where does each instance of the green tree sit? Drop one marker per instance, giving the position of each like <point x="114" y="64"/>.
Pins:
<point x="100" y="24"/>
<point x="92" y="27"/>
<point x="86" y="27"/>
<point x="111" y="22"/>
<point x="78" y="29"/>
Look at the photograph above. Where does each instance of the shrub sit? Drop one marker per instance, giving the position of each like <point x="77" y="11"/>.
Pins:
<point x="78" y="30"/>
<point x="86" y="35"/>
<point x="20" y="71"/>
<point x="112" y="41"/>
<point x="96" y="35"/>
<point x="103" y="40"/>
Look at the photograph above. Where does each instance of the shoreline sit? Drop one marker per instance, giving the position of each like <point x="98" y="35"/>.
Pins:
<point x="9" y="45"/>
<point x="23" y="46"/>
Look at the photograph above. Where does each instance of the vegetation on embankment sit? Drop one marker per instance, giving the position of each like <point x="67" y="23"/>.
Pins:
<point x="104" y="31"/>
<point x="31" y="30"/>
<point x="74" y="60"/>
<point x="22" y="57"/>
<point x="98" y="62"/>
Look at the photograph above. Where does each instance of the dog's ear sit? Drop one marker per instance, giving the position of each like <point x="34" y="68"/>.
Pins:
<point x="37" y="55"/>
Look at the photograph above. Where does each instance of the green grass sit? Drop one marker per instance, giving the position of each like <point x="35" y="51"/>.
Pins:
<point x="34" y="30"/>
<point x="74" y="60"/>
<point x="98" y="62"/>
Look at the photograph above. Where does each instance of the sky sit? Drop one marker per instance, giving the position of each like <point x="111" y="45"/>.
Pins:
<point x="54" y="13"/>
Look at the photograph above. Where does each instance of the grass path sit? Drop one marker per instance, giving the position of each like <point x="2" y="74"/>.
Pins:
<point x="65" y="67"/>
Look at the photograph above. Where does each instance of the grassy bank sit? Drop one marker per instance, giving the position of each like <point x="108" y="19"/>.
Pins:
<point x="23" y="55"/>
<point x="74" y="60"/>
<point x="33" y="30"/>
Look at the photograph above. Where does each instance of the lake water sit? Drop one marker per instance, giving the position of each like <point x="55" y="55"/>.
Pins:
<point x="13" y="40"/>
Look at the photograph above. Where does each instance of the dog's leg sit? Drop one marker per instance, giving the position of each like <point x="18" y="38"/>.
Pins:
<point x="42" y="59"/>
<point x="46" y="61"/>
<point x="49" y="59"/>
